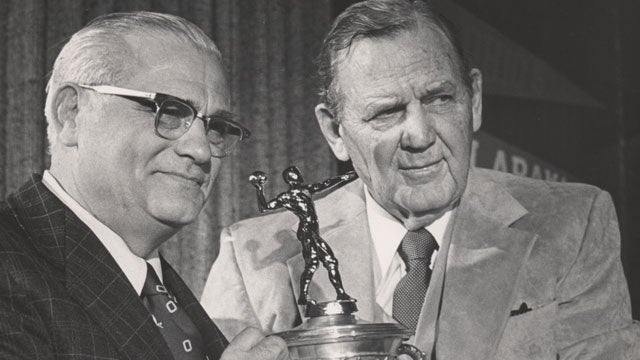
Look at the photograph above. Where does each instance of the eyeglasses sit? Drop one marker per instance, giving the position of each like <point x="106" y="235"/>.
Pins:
<point x="174" y="117"/>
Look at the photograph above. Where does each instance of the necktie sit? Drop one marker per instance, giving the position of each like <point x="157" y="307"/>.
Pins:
<point x="415" y="250"/>
<point x="174" y="324"/>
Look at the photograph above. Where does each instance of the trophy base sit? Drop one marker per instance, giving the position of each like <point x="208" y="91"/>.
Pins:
<point x="338" y="307"/>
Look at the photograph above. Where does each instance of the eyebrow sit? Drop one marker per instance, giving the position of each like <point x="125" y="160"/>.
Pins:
<point x="219" y="114"/>
<point x="445" y="85"/>
<point x="193" y="103"/>
<point x="378" y="102"/>
<point x="223" y="115"/>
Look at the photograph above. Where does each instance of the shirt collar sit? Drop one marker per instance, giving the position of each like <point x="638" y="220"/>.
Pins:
<point x="133" y="266"/>
<point x="387" y="232"/>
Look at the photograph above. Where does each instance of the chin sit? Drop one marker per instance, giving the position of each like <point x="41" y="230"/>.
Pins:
<point x="177" y="213"/>
<point x="425" y="199"/>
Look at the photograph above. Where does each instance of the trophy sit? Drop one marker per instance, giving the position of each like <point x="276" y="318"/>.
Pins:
<point x="330" y="330"/>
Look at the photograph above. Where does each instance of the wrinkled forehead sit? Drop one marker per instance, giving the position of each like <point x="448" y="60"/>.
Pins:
<point x="368" y="52"/>
<point x="160" y="49"/>
<point x="165" y="64"/>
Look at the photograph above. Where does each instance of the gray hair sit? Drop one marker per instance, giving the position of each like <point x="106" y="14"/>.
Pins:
<point x="376" y="19"/>
<point x="94" y="55"/>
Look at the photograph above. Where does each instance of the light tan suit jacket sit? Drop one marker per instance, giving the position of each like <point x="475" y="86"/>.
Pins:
<point x="553" y="247"/>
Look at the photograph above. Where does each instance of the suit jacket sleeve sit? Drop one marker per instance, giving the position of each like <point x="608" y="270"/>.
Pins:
<point x="225" y="295"/>
<point x="22" y="334"/>
<point x="594" y="307"/>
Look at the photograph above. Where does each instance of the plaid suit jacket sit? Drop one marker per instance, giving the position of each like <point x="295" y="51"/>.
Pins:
<point x="63" y="296"/>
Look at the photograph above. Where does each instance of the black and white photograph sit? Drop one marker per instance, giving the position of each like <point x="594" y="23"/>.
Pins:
<point x="319" y="179"/>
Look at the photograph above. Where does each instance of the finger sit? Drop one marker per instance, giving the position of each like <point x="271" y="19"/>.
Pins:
<point x="271" y="347"/>
<point x="246" y="340"/>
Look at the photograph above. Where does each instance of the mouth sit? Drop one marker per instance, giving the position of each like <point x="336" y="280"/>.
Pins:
<point x="198" y="179"/>
<point x="422" y="169"/>
<point x="419" y="166"/>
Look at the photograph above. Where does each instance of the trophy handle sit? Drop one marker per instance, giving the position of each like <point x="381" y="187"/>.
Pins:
<point x="414" y="352"/>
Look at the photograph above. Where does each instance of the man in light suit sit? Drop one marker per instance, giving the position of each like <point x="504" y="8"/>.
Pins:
<point x="138" y="112"/>
<point x="522" y="269"/>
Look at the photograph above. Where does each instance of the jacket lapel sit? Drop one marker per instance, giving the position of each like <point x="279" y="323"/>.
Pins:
<point x="95" y="280"/>
<point x="343" y="225"/>
<point x="214" y="341"/>
<point x="484" y="264"/>
<point x="91" y="275"/>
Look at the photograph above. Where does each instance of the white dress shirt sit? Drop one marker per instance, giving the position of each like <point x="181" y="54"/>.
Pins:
<point x="387" y="233"/>
<point x="133" y="266"/>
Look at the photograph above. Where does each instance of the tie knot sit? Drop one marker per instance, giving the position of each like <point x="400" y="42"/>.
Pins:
<point x="417" y="245"/>
<point x="152" y="285"/>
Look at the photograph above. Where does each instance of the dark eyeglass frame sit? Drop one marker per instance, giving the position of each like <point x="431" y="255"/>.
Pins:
<point x="159" y="99"/>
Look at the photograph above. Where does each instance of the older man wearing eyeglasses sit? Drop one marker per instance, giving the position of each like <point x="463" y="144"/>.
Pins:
<point x="139" y="120"/>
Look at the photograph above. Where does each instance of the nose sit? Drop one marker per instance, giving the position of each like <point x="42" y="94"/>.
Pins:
<point x="418" y="133"/>
<point x="194" y="143"/>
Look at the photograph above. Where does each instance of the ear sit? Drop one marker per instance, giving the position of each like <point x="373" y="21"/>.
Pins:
<point x="331" y="130"/>
<point x="64" y="113"/>
<point x="476" y="98"/>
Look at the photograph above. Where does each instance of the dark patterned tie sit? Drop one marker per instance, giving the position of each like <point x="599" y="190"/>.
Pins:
<point x="174" y="324"/>
<point x="415" y="250"/>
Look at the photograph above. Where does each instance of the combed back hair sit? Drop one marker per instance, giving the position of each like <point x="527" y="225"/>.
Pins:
<point x="377" y="19"/>
<point x="97" y="53"/>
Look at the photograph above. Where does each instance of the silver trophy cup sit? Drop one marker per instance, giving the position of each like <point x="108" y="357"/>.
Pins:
<point x="333" y="332"/>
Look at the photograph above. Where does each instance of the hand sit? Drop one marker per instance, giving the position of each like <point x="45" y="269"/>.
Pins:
<point x="257" y="179"/>
<point x="250" y="344"/>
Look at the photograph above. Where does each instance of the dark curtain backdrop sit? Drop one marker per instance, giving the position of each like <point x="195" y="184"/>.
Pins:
<point x="522" y="47"/>
<point x="269" y="48"/>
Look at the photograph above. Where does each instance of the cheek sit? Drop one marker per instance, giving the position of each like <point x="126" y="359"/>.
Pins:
<point x="383" y="153"/>
<point x="213" y="174"/>
<point x="456" y="137"/>
<point x="455" y="134"/>
<point x="113" y="143"/>
<point x="110" y="155"/>
<point x="372" y="154"/>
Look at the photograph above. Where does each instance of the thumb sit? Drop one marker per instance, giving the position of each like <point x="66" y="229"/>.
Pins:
<point x="250" y="344"/>
<point x="246" y="340"/>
